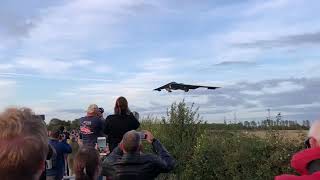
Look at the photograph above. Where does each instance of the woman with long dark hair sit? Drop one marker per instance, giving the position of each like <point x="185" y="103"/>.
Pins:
<point x="87" y="164"/>
<point x="122" y="121"/>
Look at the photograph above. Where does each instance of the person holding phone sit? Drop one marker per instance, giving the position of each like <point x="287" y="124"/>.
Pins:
<point x="122" y="121"/>
<point x="57" y="164"/>
<point x="127" y="161"/>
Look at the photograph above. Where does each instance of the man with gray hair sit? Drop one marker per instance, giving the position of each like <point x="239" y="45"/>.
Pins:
<point x="128" y="162"/>
<point x="307" y="162"/>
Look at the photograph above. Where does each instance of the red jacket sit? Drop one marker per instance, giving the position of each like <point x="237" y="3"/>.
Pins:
<point x="300" y="162"/>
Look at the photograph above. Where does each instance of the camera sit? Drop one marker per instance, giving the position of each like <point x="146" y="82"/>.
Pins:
<point x="142" y="135"/>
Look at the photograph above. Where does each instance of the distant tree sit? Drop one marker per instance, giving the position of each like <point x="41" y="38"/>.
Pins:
<point x="246" y="124"/>
<point x="307" y="124"/>
<point x="56" y="123"/>
<point x="75" y="124"/>
<point x="278" y="119"/>
<point x="253" y="124"/>
<point x="286" y="123"/>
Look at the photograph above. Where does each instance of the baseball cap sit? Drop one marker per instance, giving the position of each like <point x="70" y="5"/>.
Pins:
<point x="101" y="110"/>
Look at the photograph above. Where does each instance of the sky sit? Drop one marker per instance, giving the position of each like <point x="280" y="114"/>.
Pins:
<point x="57" y="57"/>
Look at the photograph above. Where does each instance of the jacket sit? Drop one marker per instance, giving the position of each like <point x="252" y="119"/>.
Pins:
<point x="58" y="164"/>
<point x="117" y="125"/>
<point x="306" y="163"/>
<point x="91" y="127"/>
<point x="118" y="166"/>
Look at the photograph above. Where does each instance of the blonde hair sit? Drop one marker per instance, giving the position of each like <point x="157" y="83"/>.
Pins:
<point x="315" y="130"/>
<point x="23" y="144"/>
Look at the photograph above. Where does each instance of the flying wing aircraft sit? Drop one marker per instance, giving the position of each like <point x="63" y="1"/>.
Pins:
<point x="180" y="86"/>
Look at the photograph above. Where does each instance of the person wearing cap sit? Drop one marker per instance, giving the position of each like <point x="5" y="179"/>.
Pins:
<point x="91" y="126"/>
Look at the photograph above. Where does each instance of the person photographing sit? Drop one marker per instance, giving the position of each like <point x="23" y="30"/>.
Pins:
<point x="91" y="126"/>
<point x="122" y="121"/>
<point x="55" y="169"/>
<point x="127" y="161"/>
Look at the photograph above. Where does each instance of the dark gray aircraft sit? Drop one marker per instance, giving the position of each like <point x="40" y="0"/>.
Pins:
<point x="180" y="86"/>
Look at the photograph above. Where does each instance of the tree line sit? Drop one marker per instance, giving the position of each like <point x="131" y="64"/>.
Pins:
<point x="278" y="123"/>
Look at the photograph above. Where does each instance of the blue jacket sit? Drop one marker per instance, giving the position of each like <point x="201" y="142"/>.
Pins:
<point x="61" y="148"/>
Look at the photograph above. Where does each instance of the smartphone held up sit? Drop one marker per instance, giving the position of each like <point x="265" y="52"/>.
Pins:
<point x="102" y="146"/>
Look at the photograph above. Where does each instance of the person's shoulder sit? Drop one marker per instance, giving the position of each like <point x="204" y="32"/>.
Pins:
<point x="149" y="157"/>
<point x="112" y="158"/>
<point x="314" y="176"/>
<point x="82" y="118"/>
<point x="112" y="117"/>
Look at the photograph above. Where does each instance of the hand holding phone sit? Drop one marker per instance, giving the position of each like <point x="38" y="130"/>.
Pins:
<point x="143" y="135"/>
<point x="102" y="146"/>
<point x="149" y="136"/>
<point x="146" y="135"/>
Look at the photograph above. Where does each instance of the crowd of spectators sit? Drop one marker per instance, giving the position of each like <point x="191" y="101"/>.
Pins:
<point x="28" y="151"/>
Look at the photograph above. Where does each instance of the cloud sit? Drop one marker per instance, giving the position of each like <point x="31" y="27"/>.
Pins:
<point x="44" y="65"/>
<point x="53" y="67"/>
<point x="267" y="6"/>
<point x="158" y="64"/>
<point x="236" y="63"/>
<point x="72" y="111"/>
<point x="52" y="77"/>
<point x="6" y="67"/>
<point x="7" y="91"/>
<point x="14" y="27"/>
<point x="294" y="97"/>
<point x="4" y="83"/>
<point x="18" y="20"/>
<point x="284" y="41"/>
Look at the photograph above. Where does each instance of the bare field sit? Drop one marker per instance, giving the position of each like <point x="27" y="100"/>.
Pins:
<point x="291" y="134"/>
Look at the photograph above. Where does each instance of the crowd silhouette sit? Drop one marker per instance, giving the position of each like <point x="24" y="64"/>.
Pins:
<point x="28" y="151"/>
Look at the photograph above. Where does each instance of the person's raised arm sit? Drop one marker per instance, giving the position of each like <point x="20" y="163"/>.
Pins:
<point x="135" y="122"/>
<point x="165" y="162"/>
<point x="66" y="148"/>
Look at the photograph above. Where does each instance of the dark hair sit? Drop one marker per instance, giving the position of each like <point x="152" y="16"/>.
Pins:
<point x="121" y="106"/>
<point x="87" y="163"/>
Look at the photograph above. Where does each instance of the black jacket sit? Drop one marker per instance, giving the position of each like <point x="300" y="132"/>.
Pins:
<point x="138" y="166"/>
<point x="117" y="125"/>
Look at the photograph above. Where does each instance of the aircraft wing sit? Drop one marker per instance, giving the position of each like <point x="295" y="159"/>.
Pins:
<point x="162" y="87"/>
<point x="210" y="87"/>
<point x="196" y="86"/>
